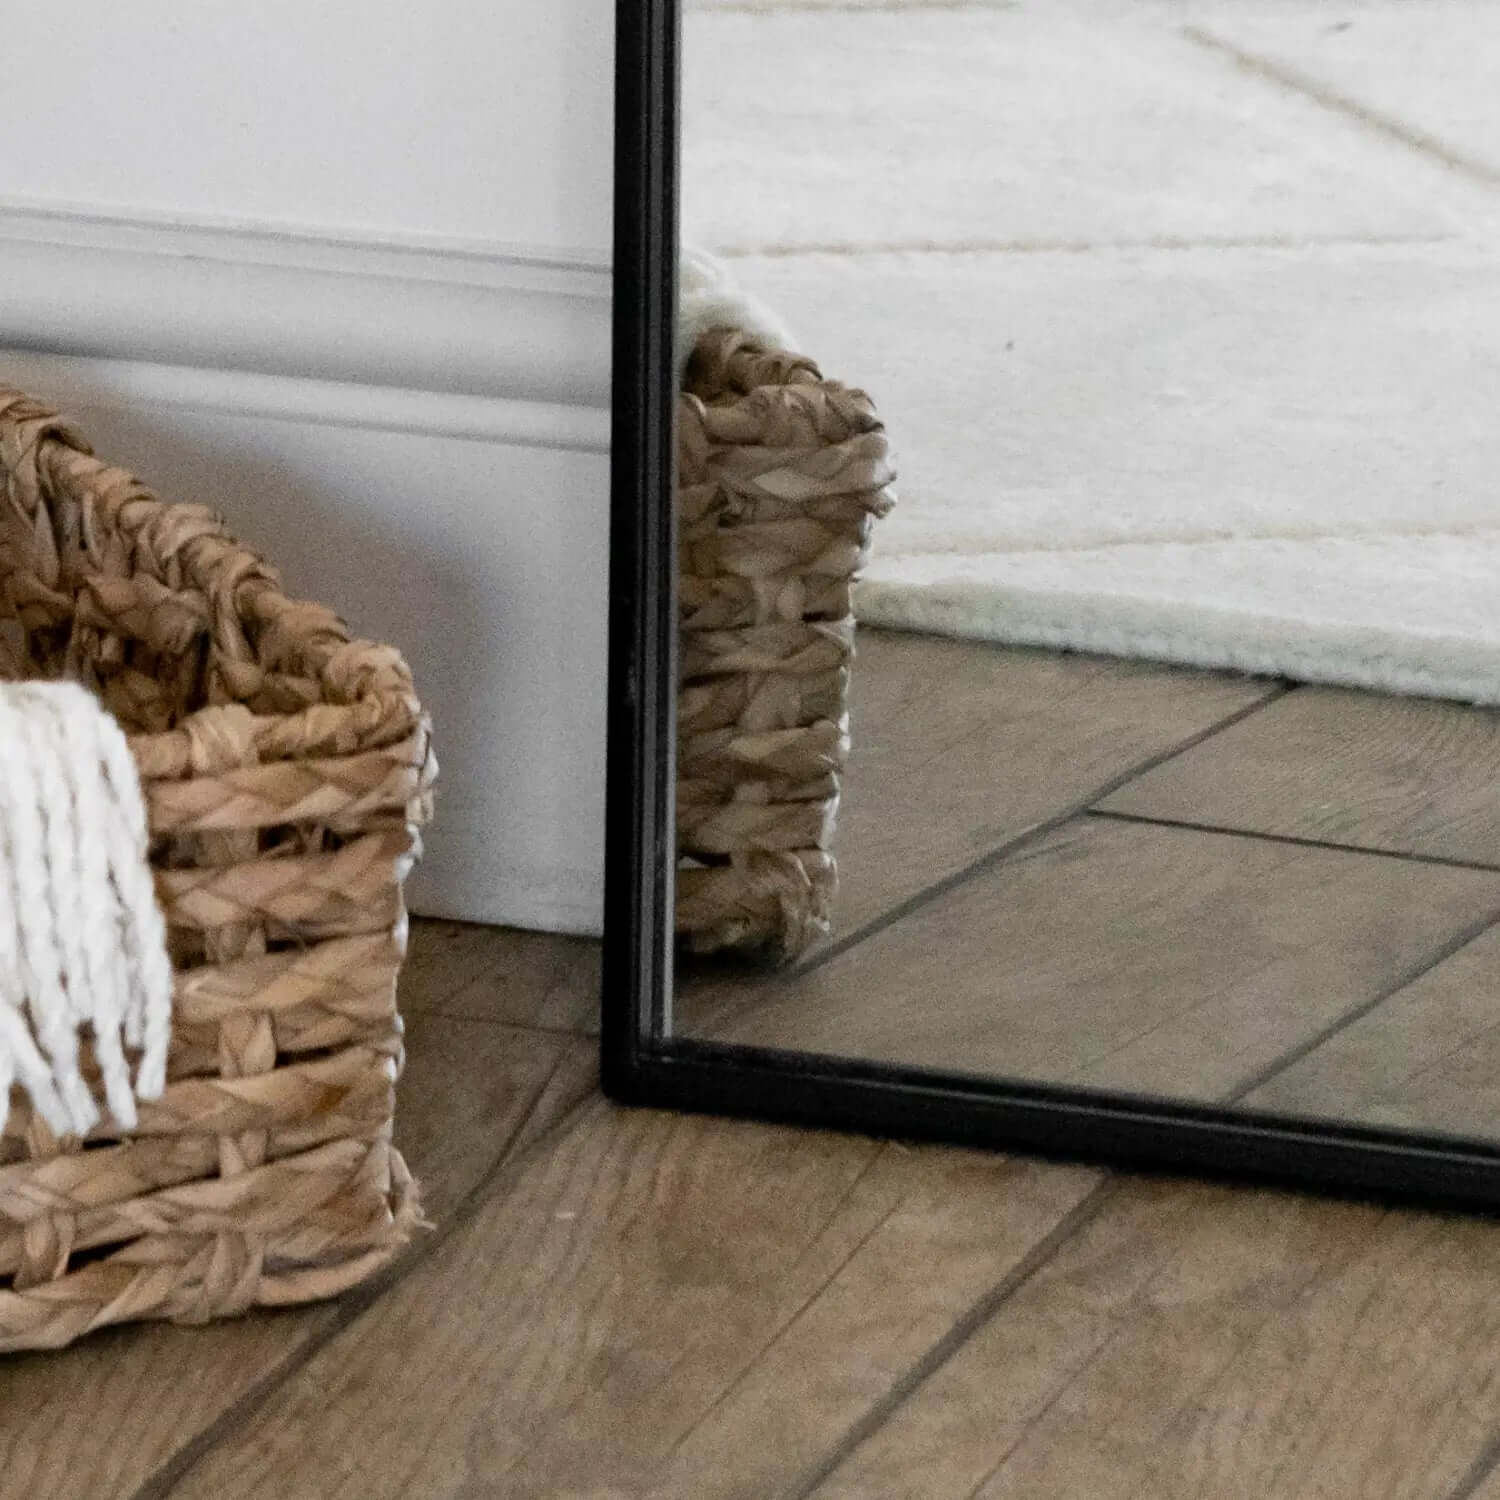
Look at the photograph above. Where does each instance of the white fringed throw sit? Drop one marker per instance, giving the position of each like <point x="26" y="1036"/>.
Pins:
<point x="708" y="296"/>
<point x="82" y="941"/>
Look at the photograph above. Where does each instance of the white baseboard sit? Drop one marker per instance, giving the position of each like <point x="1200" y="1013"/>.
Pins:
<point x="416" y="434"/>
<point x="431" y="315"/>
<point x="79" y="380"/>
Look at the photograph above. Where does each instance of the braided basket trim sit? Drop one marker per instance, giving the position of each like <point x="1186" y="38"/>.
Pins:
<point x="781" y="475"/>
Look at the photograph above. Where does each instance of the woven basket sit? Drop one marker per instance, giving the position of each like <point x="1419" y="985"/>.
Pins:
<point x="285" y="769"/>
<point x="780" y="477"/>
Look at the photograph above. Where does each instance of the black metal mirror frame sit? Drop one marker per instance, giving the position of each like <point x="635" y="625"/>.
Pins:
<point x="641" y="1063"/>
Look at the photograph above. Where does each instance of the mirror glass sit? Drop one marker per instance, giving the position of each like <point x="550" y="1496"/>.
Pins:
<point x="1140" y="358"/>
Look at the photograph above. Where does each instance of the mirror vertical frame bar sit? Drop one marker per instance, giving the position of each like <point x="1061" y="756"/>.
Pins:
<point x="640" y="831"/>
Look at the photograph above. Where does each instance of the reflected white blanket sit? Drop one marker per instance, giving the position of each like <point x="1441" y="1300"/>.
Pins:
<point x="1176" y="363"/>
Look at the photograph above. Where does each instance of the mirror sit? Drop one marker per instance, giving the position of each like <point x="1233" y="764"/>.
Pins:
<point x="1086" y="610"/>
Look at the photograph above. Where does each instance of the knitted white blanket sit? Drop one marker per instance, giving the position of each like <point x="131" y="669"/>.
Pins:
<point x="708" y="296"/>
<point x="1177" y="365"/>
<point x="82" y="942"/>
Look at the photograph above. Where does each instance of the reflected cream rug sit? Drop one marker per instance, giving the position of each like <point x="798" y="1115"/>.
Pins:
<point x="1230" y="418"/>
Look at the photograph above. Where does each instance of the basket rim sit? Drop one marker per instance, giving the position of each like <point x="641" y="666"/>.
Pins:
<point x="366" y="696"/>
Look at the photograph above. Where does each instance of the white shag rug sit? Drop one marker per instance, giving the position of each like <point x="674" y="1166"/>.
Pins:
<point x="1156" y="407"/>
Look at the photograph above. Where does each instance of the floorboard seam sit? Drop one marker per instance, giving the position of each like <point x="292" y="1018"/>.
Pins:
<point x="1300" y="841"/>
<point x="1003" y="852"/>
<point x="1043" y="1411"/>
<point x="1483" y="1466"/>
<point x="1309" y="1045"/>
<point x="963" y="1330"/>
<point x="555" y="1033"/>
<point x="354" y="1304"/>
<point x="797" y="1313"/>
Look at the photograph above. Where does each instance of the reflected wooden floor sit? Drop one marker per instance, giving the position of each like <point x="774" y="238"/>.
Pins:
<point x="1166" y="882"/>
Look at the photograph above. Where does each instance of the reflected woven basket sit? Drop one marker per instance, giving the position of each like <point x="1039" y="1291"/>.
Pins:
<point x="286" y="769"/>
<point x="781" y="475"/>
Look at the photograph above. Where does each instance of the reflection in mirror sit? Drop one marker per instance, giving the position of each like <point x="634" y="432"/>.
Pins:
<point x="1164" y="764"/>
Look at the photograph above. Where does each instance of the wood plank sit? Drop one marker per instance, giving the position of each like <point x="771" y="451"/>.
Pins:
<point x="1428" y="1058"/>
<point x="1132" y="956"/>
<point x="1405" y="775"/>
<point x="444" y="956"/>
<point x="539" y="979"/>
<point x="574" y="1080"/>
<point x="958" y="747"/>
<point x="1485" y="1481"/>
<point x="550" y="981"/>
<point x="133" y="1396"/>
<point x="1196" y="1341"/>
<point x="468" y="1090"/>
<point x="661" y="1301"/>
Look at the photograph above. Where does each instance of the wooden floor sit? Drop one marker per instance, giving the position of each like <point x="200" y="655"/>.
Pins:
<point x="616" y="1305"/>
<point x="1177" y="884"/>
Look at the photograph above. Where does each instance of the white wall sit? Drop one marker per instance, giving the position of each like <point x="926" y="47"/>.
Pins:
<point x="486" y="120"/>
<point x="341" y="271"/>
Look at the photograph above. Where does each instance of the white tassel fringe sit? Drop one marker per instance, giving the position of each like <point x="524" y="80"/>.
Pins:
<point x="82" y="941"/>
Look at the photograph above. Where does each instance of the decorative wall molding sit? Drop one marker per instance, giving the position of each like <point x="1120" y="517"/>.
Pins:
<point x="447" y="318"/>
<point x="80" y="381"/>
<point x="285" y="242"/>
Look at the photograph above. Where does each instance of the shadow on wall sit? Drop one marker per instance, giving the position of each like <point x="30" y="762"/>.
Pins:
<point x="402" y="535"/>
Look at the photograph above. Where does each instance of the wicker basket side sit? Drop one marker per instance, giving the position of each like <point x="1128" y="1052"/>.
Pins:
<point x="286" y="769"/>
<point x="781" y="475"/>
